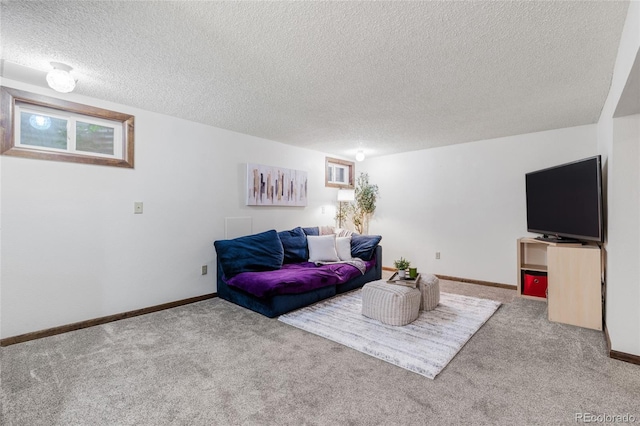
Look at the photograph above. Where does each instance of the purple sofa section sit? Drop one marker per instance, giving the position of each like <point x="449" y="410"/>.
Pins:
<point x="295" y="278"/>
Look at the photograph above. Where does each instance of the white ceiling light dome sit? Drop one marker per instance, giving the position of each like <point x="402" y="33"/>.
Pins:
<point x="360" y="155"/>
<point x="60" y="78"/>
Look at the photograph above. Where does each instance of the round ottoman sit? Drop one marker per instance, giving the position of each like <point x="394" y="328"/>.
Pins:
<point x="429" y="286"/>
<point x="389" y="303"/>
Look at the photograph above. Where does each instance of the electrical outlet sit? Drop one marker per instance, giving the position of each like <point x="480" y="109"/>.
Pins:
<point x="322" y="209"/>
<point x="137" y="207"/>
<point x="204" y="269"/>
<point x="438" y="255"/>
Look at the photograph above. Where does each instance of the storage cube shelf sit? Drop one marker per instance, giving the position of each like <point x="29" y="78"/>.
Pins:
<point x="574" y="292"/>
<point x="532" y="256"/>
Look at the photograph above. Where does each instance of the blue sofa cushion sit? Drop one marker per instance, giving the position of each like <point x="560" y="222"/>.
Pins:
<point x="253" y="253"/>
<point x="311" y="230"/>
<point x="294" y="243"/>
<point x="364" y="246"/>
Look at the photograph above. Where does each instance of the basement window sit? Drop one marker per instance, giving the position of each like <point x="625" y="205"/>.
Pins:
<point x="51" y="129"/>
<point x="338" y="173"/>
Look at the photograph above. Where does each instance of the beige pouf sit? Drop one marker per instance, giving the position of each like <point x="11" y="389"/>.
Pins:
<point x="429" y="286"/>
<point x="389" y="303"/>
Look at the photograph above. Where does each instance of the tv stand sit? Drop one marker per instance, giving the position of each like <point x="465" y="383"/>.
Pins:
<point x="574" y="279"/>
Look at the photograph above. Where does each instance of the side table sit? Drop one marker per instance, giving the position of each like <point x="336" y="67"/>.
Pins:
<point x="429" y="286"/>
<point x="390" y="304"/>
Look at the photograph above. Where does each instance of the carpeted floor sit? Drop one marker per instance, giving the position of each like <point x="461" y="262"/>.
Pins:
<point x="214" y="363"/>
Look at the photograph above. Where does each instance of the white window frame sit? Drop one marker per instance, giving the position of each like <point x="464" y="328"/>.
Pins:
<point x="15" y="102"/>
<point x="334" y="170"/>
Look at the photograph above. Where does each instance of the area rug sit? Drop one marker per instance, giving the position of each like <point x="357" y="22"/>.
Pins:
<point x="425" y="346"/>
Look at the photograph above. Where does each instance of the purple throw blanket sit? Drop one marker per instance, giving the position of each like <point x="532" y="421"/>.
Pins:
<point x="295" y="278"/>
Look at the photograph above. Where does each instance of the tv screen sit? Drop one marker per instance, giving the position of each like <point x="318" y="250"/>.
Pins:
<point x="565" y="201"/>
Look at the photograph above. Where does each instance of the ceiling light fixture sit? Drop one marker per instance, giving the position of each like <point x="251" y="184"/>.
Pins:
<point x="360" y="155"/>
<point x="60" y="78"/>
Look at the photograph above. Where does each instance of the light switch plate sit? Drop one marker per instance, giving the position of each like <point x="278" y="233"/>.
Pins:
<point x="137" y="207"/>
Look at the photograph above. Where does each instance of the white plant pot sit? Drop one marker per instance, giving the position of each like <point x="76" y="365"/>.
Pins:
<point x="402" y="274"/>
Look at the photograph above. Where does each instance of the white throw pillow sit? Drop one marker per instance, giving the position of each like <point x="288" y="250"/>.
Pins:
<point x="343" y="247"/>
<point x="340" y="232"/>
<point x="322" y="248"/>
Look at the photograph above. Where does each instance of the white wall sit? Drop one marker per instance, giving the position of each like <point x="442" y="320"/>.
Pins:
<point x="623" y="276"/>
<point x="73" y="250"/>
<point x="466" y="201"/>
<point x="618" y="142"/>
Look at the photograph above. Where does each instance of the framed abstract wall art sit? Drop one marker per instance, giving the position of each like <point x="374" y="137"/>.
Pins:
<point x="275" y="186"/>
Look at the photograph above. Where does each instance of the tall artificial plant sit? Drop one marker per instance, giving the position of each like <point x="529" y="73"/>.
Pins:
<point x="364" y="205"/>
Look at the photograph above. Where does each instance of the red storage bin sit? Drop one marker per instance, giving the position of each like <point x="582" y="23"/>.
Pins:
<point x="535" y="284"/>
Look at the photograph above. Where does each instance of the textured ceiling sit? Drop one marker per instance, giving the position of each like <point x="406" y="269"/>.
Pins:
<point x="332" y="76"/>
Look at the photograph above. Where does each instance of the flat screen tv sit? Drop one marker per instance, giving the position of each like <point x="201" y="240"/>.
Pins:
<point x="565" y="202"/>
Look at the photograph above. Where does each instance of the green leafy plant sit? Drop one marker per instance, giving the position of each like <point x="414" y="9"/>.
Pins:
<point x="401" y="264"/>
<point x="361" y="210"/>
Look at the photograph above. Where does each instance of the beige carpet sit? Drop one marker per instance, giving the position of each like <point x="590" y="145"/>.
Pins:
<point x="215" y="363"/>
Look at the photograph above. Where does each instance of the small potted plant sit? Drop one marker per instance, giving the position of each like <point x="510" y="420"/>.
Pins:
<point x="401" y="265"/>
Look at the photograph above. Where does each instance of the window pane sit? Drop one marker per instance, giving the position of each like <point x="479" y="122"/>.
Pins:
<point x="94" y="138"/>
<point x="43" y="130"/>
<point x="340" y="175"/>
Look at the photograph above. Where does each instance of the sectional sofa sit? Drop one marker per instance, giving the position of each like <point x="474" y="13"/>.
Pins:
<point x="276" y="272"/>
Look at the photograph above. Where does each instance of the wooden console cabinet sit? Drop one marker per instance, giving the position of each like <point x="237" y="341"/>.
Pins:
<point x="574" y="271"/>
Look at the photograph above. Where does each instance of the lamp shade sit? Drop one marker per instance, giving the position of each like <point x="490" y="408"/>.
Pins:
<point x="346" y="195"/>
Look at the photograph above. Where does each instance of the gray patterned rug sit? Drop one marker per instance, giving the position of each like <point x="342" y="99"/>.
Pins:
<point x="425" y="346"/>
